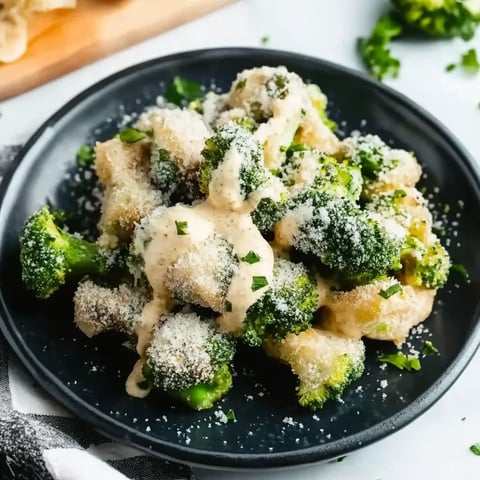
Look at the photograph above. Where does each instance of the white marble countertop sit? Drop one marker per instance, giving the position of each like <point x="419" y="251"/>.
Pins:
<point x="435" y="445"/>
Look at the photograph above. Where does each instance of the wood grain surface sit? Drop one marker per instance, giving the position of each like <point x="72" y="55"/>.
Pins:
<point x="64" y="40"/>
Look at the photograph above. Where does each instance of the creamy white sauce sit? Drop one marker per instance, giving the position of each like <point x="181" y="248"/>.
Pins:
<point x="136" y="377"/>
<point x="224" y="189"/>
<point x="287" y="228"/>
<point x="239" y="230"/>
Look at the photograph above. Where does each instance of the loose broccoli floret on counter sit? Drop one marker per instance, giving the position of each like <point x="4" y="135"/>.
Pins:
<point x="426" y="265"/>
<point x="231" y="138"/>
<point x="50" y="256"/>
<point x="190" y="360"/>
<point x="203" y="275"/>
<point x="383" y="168"/>
<point x="325" y="363"/>
<point x="100" y="309"/>
<point x="340" y="235"/>
<point x="287" y="307"/>
<point x="375" y="51"/>
<point x="440" y="18"/>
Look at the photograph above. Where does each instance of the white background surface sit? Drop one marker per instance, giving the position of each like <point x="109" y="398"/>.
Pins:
<point x="436" y="445"/>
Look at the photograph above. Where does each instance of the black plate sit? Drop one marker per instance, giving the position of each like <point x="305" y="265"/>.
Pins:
<point x="88" y="376"/>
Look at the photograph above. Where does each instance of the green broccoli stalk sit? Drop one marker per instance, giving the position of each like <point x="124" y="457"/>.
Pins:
<point x="325" y="363"/>
<point x="439" y="18"/>
<point x="340" y="235"/>
<point x="232" y="137"/>
<point x="424" y="265"/>
<point x="190" y="360"/>
<point x="287" y="306"/>
<point x="50" y="256"/>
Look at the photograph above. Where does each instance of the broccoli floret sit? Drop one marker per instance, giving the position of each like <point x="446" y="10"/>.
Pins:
<point x="175" y="184"/>
<point x="320" y="102"/>
<point x="287" y="307"/>
<point x="424" y="265"/>
<point x="306" y="166"/>
<point x="340" y="235"/>
<point x="50" y="256"/>
<point x="141" y="238"/>
<point x="440" y="18"/>
<point x="231" y="137"/>
<point x="324" y="363"/>
<point x="267" y="213"/>
<point x="203" y="275"/>
<point x="100" y="309"/>
<point x="375" y="51"/>
<point x="190" y="360"/>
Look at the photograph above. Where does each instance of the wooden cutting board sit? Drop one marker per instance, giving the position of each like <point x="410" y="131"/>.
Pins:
<point x="64" y="40"/>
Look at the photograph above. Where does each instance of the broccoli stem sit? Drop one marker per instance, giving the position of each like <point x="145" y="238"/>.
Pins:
<point x="204" y="395"/>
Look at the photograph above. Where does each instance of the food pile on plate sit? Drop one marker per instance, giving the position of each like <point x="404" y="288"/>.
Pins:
<point x="242" y="218"/>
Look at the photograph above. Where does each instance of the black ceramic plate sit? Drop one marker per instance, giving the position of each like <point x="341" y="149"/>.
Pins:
<point x="88" y="376"/>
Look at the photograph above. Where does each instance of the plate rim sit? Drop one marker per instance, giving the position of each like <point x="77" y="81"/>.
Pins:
<point x="113" y="429"/>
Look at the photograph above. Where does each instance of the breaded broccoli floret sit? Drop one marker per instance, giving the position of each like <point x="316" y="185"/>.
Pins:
<point x="178" y="138"/>
<point x="287" y="306"/>
<point x="100" y="309"/>
<point x="129" y="195"/>
<point x="405" y="206"/>
<point x="306" y="166"/>
<point x="426" y="265"/>
<point x="325" y="363"/>
<point x="383" y="168"/>
<point x="440" y="18"/>
<point x="203" y="275"/>
<point x="50" y="256"/>
<point x="190" y="360"/>
<point x="340" y="235"/>
<point x="232" y="139"/>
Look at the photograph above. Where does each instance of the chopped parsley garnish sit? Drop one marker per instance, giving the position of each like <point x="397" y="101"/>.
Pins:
<point x="265" y="39"/>
<point x="251" y="257"/>
<point x="181" y="89"/>
<point x="460" y="269"/>
<point x="228" y="306"/>
<point x="231" y="415"/>
<point x="181" y="227"/>
<point x="470" y="61"/>
<point x="390" y="291"/>
<point x="475" y="449"/>
<point x="446" y="208"/>
<point x="131" y="135"/>
<point x="401" y="361"/>
<point x="429" y="348"/>
<point x="258" y="283"/>
<point x="241" y="84"/>
<point x="375" y="51"/>
<point x="85" y="156"/>
<point x="399" y="193"/>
